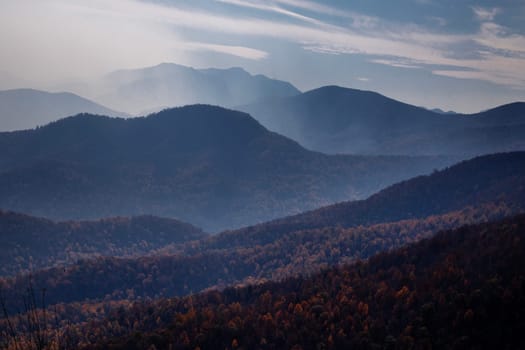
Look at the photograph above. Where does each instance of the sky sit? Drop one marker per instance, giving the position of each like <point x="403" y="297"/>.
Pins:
<point x="456" y="55"/>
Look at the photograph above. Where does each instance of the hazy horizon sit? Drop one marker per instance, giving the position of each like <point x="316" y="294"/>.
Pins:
<point x="465" y="57"/>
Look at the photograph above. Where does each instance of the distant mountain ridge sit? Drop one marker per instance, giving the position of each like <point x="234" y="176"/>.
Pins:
<point x="333" y="119"/>
<point x="197" y="163"/>
<point x="28" y="108"/>
<point x="172" y="85"/>
<point x="440" y="111"/>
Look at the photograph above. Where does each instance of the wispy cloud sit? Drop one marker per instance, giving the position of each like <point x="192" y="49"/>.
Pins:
<point x="492" y="76"/>
<point x="396" y="45"/>
<point x="74" y="39"/>
<point x="485" y="14"/>
<point x="396" y="62"/>
<point x="239" y="51"/>
<point x="269" y="7"/>
<point x="401" y="45"/>
<point x="137" y="32"/>
<point x="311" y="6"/>
<point x="324" y="49"/>
<point x="440" y="21"/>
<point x="494" y="36"/>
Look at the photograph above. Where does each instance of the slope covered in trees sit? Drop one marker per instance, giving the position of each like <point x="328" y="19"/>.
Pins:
<point x="461" y="289"/>
<point x="30" y="243"/>
<point x="303" y="244"/>
<point x="333" y="119"/>
<point x="213" y="167"/>
<point x="485" y="179"/>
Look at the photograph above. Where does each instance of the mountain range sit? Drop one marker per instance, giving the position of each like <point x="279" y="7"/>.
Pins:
<point x="145" y="90"/>
<point x="334" y="218"/>
<point x="206" y="165"/>
<point x="329" y="119"/>
<point x="29" y="108"/>
<point x="138" y="92"/>
<point x="333" y="119"/>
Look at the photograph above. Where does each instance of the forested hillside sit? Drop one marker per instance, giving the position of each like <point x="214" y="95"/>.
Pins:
<point x="299" y="245"/>
<point x="209" y="166"/>
<point x="486" y="179"/>
<point x="31" y="243"/>
<point x="462" y="288"/>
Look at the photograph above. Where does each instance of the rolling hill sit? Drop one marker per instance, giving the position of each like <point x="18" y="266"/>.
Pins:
<point x="333" y="119"/>
<point x="498" y="178"/>
<point x="30" y="243"/>
<point x="302" y="244"/>
<point x="169" y="85"/>
<point x="209" y="166"/>
<point x="461" y="289"/>
<point x="28" y="108"/>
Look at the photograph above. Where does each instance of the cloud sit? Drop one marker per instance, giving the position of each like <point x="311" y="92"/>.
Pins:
<point x="440" y="21"/>
<point x="363" y="79"/>
<point x="478" y="75"/>
<point x="396" y="62"/>
<point x="78" y="36"/>
<point x="47" y="42"/>
<point x="312" y="6"/>
<point x="495" y="36"/>
<point x="265" y="6"/>
<point x="239" y="51"/>
<point x="327" y="49"/>
<point x="484" y="14"/>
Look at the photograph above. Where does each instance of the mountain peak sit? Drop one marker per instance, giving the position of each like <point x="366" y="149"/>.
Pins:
<point x="440" y="111"/>
<point x="215" y="119"/>
<point x="170" y="84"/>
<point x="336" y="92"/>
<point x="334" y="119"/>
<point x="194" y="123"/>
